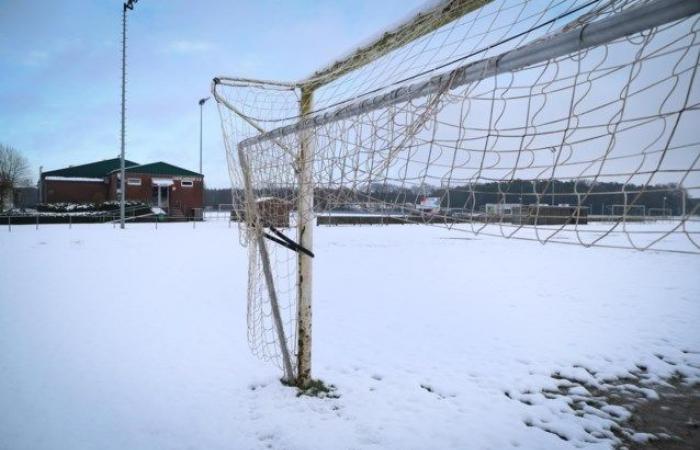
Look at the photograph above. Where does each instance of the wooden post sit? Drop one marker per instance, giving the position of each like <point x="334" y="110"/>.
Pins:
<point x="305" y="212"/>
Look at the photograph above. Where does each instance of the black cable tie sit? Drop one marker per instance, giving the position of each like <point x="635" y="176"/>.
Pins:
<point x="279" y="241"/>
<point x="286" y="242"/>
<point x="296" y="246"/>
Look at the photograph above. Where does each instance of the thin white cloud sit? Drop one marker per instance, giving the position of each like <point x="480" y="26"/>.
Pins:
<point x="189" y="46"/>
<point x="35" y="58"/>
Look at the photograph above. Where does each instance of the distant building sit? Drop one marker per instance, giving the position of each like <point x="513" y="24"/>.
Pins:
<point x="176" y="190"/>
<point x="17" y="197"/>
<point x="502" y="210"/>
<point x="274" y="211"/>
<point x="541" y="214"/>
<point x="25" y="197"/>
<point x="552" y="215"/>
<point x="6" y="198"/>
<point x="428" y="205"/>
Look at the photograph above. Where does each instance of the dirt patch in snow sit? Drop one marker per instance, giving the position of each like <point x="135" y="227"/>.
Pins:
<point x="632" y="412"/>
<point x="673" y="419"/>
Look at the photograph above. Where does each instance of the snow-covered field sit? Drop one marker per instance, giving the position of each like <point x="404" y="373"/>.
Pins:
<point x="137" y="340"/>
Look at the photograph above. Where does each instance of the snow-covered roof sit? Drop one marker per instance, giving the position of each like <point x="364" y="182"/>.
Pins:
<point x="162" y="181"/>
<point x="267" y="199"/>
<point x="93" y="180"/>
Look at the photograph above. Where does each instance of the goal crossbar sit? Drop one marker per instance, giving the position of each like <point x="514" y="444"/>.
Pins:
<point x="635" y="20"/>
<point x="425" y="21"/>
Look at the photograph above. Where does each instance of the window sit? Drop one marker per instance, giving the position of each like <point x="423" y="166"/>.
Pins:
<point x="187" y="183"/>
<point x="133" y="181"/>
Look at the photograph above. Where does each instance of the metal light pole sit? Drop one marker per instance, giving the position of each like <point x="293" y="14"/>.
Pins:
<point x="664" y="208"/>
<point x="40" y="185"/>
<point x="122" y="184"/>
<point x="201" y="108"/>
<point x="554" y="150"/>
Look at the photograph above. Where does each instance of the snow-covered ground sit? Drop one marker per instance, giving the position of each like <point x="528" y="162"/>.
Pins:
<point x="136" y="339"/>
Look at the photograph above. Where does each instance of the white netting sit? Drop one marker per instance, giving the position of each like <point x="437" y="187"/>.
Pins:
<point x="575" y="147"/>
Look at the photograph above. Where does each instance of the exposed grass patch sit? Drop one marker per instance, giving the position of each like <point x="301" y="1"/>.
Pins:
<point x="317" y="388"/>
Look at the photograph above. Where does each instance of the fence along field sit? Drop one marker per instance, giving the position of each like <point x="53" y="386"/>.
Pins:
<point x="463" y="95"/>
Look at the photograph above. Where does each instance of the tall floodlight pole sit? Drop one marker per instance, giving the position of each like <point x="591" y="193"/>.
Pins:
<point x="554" y="150"/>
<point x="122" y="185"/>
<point x="201" y="108"/>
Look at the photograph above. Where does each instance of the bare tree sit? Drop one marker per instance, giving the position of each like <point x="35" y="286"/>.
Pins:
<point x="14" y="170"/>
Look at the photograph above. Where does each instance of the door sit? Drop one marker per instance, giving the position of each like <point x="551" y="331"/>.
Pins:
<point x="160" y="196"/>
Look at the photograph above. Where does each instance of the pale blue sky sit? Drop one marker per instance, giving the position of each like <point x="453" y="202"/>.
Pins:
<point x="60" y="70"/>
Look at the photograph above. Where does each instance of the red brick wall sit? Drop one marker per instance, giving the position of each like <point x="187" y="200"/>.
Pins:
<point x="141" y="193"/>
<point x="184" y="198"/>
<point x="113" y="186"/>
<point x="187" y="197"/>
<point x="55" y="191"/>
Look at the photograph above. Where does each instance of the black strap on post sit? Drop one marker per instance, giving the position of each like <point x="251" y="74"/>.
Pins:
<point x="286" y="242"/>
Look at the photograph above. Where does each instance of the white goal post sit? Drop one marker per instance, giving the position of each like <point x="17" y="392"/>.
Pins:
<point x="659" y="212"/>
<point x="628" y="212"/>
<point x="552" y="107"/>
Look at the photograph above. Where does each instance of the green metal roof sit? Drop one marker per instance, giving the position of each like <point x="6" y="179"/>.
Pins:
<point x="162" y="168"/>
<point x="92" y="170"/>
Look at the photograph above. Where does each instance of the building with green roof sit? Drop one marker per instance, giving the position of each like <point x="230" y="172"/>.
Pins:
<point x="161" y="168"/>
<point x="169" y="188"/>
<point x="98" y="169"/>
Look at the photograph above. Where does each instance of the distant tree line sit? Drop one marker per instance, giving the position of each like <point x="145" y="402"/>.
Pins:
<point x="216" y="197"/>
<point x="598" y="197"/>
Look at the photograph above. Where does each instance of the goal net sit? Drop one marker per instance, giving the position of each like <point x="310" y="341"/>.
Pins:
<point x="508" y="118"/>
